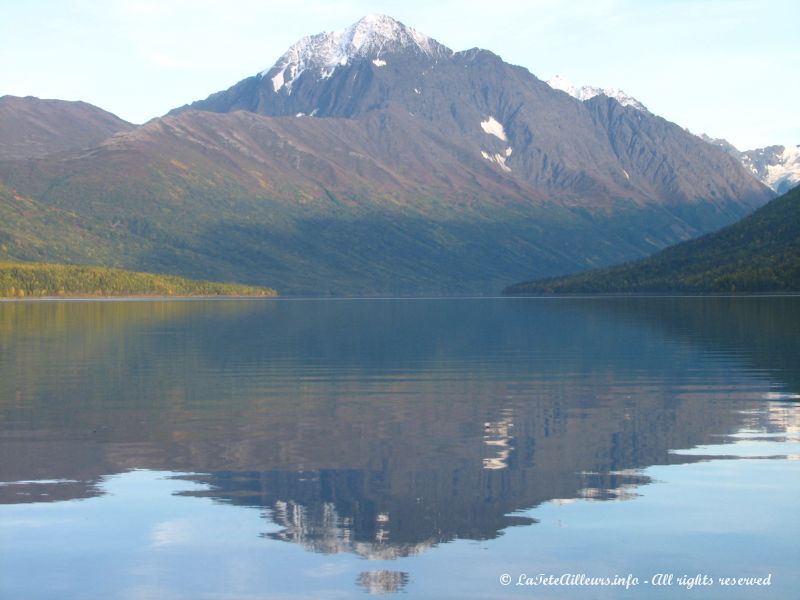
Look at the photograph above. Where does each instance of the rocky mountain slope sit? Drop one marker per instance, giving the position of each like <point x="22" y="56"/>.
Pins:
<point x="777" y="167"/>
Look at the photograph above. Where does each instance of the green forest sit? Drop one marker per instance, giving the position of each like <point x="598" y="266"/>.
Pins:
<point x="760" y="253"/>
<point x="36" y="280"/>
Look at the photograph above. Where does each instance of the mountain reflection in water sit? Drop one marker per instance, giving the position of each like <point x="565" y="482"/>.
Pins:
<point x="383" y="428"/>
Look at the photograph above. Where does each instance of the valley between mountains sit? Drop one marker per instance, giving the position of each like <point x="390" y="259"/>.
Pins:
<point x="369" y="161"/>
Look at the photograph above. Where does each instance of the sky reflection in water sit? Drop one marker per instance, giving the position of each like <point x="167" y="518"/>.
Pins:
<point x="172" y="449"/>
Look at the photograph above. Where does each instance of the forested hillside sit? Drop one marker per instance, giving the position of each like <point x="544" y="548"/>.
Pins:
<point x="25" y="280"/>
<point x="760" y="253"/>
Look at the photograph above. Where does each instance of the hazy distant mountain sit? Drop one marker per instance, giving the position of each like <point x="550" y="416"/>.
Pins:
<point x="760" y="253"/>
<point x="775" y="166"/>
<point x="30" y="127"/>
<point x="376" y="160"/>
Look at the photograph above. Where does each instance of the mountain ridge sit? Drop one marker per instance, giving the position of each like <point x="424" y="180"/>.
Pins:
<point x="587" y="92"/>
<point x="31" y="127"/>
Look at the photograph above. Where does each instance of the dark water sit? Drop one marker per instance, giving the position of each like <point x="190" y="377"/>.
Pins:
<point x="328" y="449"/>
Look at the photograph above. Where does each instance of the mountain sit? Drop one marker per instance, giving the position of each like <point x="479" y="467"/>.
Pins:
<point x="375" y="160"/>
<point x="775" y="166"/>
<point x="319" y="205"/>
<point x="483" y="106"/>
<point x="587" y="92"/>
<point x="760" y="253"/>
<point x="30" y="127"/>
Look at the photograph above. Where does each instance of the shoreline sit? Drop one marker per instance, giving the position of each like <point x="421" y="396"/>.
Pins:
<point x="135" y="298"/>
<point x="161" y="298"/>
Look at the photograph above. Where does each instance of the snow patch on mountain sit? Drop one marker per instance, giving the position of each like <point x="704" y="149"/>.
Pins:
<point x="587" y="92"/>
<point x="498" y="159"/>
<point x="277" y="81"/>
<point x="493" y="127"/>
<point x="370" y="37"/>
<point x="563" y="85"/>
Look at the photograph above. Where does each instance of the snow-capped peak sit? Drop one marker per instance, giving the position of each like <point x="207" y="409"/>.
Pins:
<point x="373" y="36"/>
<point x="776" y="166"/>
<point x="587" y="91"/>
<point x="559" y="83"/>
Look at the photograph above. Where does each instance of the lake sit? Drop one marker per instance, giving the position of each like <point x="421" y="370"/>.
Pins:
<point x="551" y="448"/>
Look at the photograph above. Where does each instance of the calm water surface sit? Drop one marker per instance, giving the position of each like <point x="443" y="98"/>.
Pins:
<point x="251" y="449"/>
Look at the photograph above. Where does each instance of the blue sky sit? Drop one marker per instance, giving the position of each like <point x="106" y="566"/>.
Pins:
<point x="725" y="67"/>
